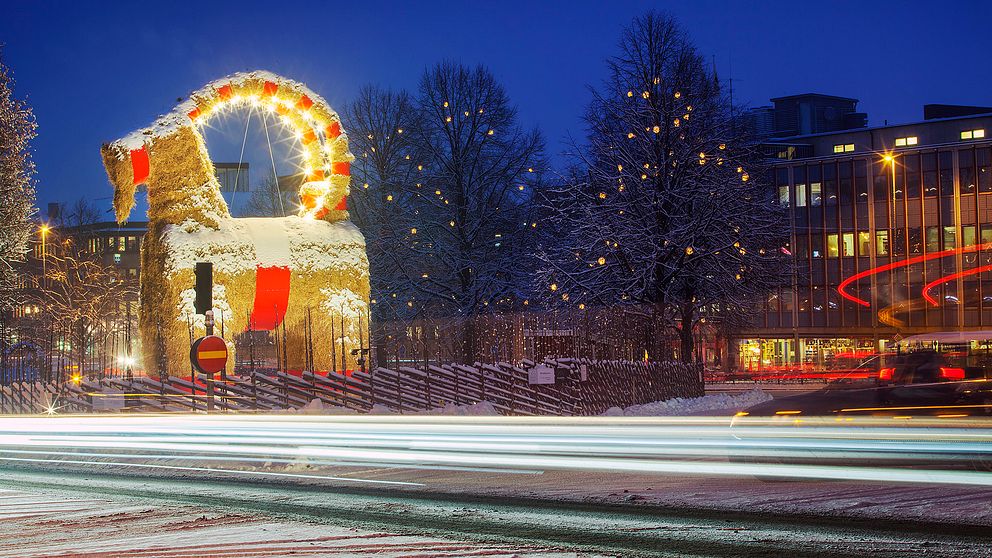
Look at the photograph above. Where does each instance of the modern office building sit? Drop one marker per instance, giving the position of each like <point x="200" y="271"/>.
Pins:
<point x="887" y="227"/>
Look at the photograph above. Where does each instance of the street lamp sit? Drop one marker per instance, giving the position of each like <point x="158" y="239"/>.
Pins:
<point x="44" y="230"/>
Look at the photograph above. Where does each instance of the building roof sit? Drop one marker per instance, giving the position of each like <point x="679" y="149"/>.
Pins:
<point x="787" y="139"/>
<point x="821" y="95"/>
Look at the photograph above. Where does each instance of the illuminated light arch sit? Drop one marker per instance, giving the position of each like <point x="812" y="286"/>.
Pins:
<point x="900" y="264"/>
<point x="316" y="127"/>
<point x="948" y="278"/>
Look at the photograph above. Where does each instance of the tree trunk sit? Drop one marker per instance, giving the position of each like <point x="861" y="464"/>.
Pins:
<point x="686" y="340"/>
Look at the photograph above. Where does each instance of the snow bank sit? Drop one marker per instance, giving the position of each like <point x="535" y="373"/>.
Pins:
<point x="480" y="409"/>
<point x="693" y="405"/>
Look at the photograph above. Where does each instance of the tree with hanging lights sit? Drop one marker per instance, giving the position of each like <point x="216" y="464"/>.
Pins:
<point x="17" y="129"/>
<point x="477" y="176"/>
<point x="443" y="188"/>
<point x="382" y="202"/>
<point x="666" y="207"/>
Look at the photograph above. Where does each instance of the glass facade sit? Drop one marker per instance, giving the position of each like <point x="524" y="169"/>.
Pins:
<point x="906" y="220"/>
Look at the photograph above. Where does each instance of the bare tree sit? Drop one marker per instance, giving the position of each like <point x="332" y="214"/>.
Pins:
<point x="666" y="207"/>
<point x="380" y="125"/>
<point x="269" y="200"/>
<point x="476" y="170"/>
<point x="17" y="129"/>
<point x="81" y="298"/>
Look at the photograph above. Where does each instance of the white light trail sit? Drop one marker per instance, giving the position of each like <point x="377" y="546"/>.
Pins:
<point x="867" y="449"/>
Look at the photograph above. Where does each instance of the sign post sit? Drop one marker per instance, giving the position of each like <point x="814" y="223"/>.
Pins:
<point x="209" y="356"/>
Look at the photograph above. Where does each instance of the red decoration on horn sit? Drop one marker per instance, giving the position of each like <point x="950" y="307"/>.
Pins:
<point x="316" y="174"/>
<point x="343" y="204"/>
<point x="225" y="92"/>
<point x="269" y="89"/>
<point x="334" y="130"/>
<point x="304" y="103"/>
<point x="343" y="169"/>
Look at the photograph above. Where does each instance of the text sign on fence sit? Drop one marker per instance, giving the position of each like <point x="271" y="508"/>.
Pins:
<point x="541" y="375"/>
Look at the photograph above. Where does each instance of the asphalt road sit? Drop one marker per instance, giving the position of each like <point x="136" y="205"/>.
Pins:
<point x="442" y="526"/>
<point x="619" y="486"/>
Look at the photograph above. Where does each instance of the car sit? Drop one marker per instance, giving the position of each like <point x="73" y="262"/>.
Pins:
<point x="927" y="379"/>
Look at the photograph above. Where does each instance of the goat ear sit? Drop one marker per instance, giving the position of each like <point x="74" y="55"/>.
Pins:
<point x="120" y="171"/>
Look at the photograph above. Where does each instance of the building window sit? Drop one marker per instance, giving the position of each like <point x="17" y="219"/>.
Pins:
<point x="783" y="196"/>
<point x="949" y="237"/>
<point x="968" y="235"/>
<point x="815" y="194"/>
<point x="864" y="244"/>
<point x="848" y="244"/>
<point x="984" y="171"/>
<point x="833" y="246"/>
<point x="909" y="140"/>
<point x="986" y="234"/>
<point x="881" y="243"/>
<point x="915" y="241"/>
<point x="973" y="134"/>
<point x="933" y="239"/>
<point x="117" y="258"/>
<point x="844" y="148"/>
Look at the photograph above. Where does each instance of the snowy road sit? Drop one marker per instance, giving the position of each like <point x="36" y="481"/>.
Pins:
<point x="37" y="523"/>
<point x="496" y="485"/>
<point x="46" y="514"/>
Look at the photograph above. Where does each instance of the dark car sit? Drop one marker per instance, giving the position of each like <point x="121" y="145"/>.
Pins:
<point x="927" y="379"/>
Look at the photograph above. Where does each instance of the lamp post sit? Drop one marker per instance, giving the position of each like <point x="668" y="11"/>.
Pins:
<point x="890" y="160"/>
<point x="44" y="229"/>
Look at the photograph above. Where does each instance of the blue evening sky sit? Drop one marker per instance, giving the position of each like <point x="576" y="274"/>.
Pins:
<point x="94" y="71"/>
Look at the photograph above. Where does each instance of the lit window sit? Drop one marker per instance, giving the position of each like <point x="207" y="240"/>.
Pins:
<point x="839" y="148"/>
<point x="848" y="148"/>
<point x="783" y="196"/>
<point x="973" y="134"/>
<point x="117" y="258"/>
<point x="833" y="247"/>
<point x="844" y="148"/>
<point x="909" y="140"/>
<point x="847" y="240"/>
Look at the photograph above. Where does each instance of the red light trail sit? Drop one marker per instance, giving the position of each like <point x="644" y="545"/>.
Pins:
<point x="949" y="278"/>
<point x="903" y="263"/>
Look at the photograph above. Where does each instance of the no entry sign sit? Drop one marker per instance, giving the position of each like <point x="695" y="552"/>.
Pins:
<point x="209" y="354"/>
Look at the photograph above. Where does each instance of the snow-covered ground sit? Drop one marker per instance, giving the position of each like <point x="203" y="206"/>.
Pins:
<point x="110" y="517"/>
<point x="714" y="404"/>
<point x="38" y="524"/>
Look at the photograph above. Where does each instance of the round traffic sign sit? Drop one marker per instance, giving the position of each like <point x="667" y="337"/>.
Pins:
<point x="209" y="354"/>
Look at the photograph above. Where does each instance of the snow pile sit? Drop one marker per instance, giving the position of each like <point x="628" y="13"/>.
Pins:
<point x="692" y="405"/>
<point x="480" y="409"/>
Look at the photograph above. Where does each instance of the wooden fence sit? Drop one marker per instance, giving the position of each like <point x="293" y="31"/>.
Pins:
<point x="580" y="388"/>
